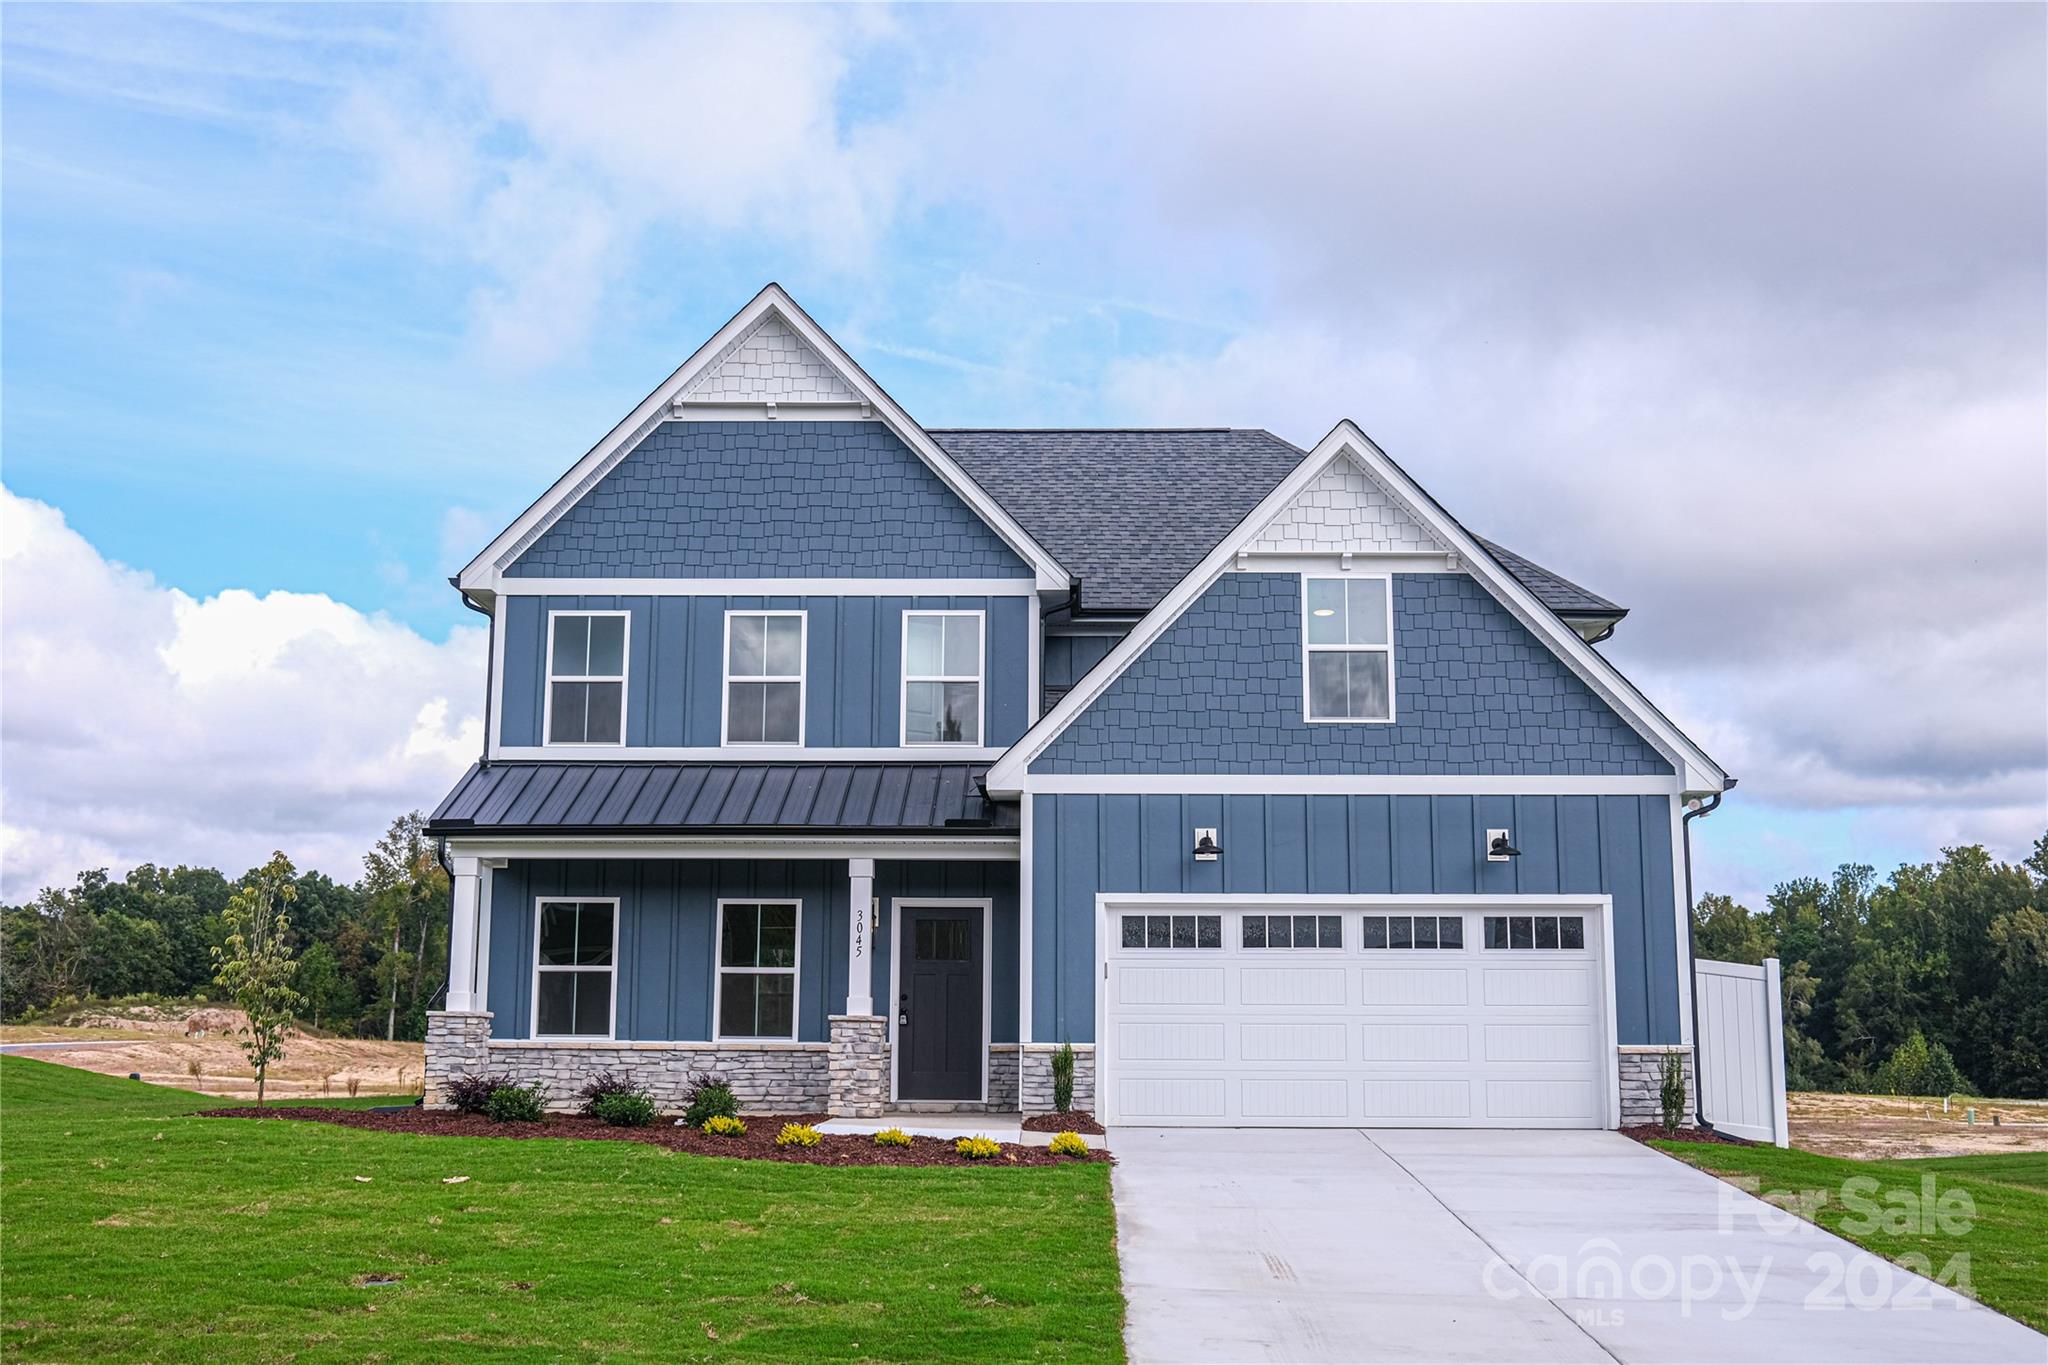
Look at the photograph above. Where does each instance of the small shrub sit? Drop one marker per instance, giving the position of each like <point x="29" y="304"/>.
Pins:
<point x="469" y="1094"/>
<point x="1671" y="1094"/>
<point x="708" y="1097"/>
<point x="623" y="1109"/>
<point x="515" y="1104"/>
<point x="1069" y="1144"/>
<point x="798" y="1135"/>
<point x="978" y="1148"/>
<point x="1063" y="1078"/>
<point x="892" y="1137"/>
<point x="725" y="1125"/>
<point x="602" y="1084"/>
<point x="355" y="1083"/>
<point x="1920" y="1067"/>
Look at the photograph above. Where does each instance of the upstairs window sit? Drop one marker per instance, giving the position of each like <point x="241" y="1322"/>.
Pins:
<point x="942" y="682"/>
<point x="764" y="677"/>
<point x="1348" y="638"/>
<point x="586" y="699"/>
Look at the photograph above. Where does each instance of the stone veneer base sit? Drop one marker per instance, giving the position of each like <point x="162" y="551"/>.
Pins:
<point x="1642" y="1084"/>
<point x="1035" y="1089"/>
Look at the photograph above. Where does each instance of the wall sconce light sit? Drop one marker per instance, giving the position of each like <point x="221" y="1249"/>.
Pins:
<point x="1207" y="850"/>
<point x="1498" y="849"/>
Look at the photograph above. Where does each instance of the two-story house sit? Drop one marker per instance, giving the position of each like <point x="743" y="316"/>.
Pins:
<point x="865" y="764"/>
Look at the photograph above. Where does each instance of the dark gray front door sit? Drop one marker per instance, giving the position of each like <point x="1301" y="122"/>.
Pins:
<point x="938" y="1005"/>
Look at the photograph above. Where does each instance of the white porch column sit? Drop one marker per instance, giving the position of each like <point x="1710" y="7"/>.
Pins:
<point x="860" y="955"/>
<point x="462" y="937"/>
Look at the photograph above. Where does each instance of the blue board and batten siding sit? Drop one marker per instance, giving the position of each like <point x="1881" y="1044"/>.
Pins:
<point x="770" y="500"/>
<point x="1220" y="691"/>
<point x="668" y="916"/>
<point x="676" y="665"/>
<point x="1619" y="846"/>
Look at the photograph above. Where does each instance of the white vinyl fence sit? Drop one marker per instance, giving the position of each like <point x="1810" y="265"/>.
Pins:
<point x="1742" y="1049"/>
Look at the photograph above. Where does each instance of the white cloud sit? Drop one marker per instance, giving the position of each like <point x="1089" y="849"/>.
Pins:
<point x="142" y="724"/>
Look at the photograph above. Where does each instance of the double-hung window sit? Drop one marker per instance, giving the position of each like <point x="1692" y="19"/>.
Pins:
<point x="1348" y="638"/>
<point x="757" y="943"/>
<point x="764" y="677"/>
<point x="586" y="701"/>
<point x="576" y="949"/>
<point x="942" y="677"/>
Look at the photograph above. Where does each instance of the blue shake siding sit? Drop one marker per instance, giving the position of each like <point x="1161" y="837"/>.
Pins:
<point x="676" y="666"/>
<point x="1617" y="845"/>
<point x="668" y="915"/>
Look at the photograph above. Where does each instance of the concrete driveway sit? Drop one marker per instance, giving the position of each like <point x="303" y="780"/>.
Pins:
<point x="1414" y="1245"/>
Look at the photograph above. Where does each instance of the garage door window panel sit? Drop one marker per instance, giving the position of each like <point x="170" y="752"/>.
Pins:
<point x="1536" y="932"/>
<point x="1170" y="931"/>
<point x="1292" y="931"/>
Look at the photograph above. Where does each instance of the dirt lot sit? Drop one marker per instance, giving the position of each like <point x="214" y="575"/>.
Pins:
<point x="1874" y="1126"/>
<point x="153" y="1042"/>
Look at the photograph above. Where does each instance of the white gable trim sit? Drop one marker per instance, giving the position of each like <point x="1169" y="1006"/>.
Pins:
<point x="667" y="402"/>
<point x="1697" y="772"/>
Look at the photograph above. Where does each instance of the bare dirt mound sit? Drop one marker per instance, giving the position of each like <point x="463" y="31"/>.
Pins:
<point x="1872" y="1127"/>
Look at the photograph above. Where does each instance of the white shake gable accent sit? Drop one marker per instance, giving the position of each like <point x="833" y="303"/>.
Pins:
<point x="787" y="827"/>
<point x="1360" y="503"/>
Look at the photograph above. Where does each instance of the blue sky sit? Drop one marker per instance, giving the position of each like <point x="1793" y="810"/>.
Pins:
<point x="1735" y="315"/>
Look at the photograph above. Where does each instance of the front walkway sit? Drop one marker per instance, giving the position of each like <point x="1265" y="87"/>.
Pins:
<point x="1342" y="1245"/>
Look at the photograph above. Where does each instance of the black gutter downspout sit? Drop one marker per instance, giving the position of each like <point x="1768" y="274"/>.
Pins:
<point x="490" y="669"/>
<point x="1706" y="807"/>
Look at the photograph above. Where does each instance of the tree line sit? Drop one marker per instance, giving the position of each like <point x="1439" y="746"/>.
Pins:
<point x="1938" y="973"/>
<point x="370" y="958"/>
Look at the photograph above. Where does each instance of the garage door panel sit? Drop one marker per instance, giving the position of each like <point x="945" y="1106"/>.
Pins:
<point x="1391" y="1042"/>
<point x="1267" y="986"/>
<point x="1170" y="1041"/>
<point x="1567" y="984"/>
<point x="1407" y="986"/>
<point x="1170" y="985"/>
<point x="1292" y="1042"/>
<point x="1297" y="1097"/>
<point x="1533" y="1099"/>
<point x="1387" y="1100"/>
<point x="1528" y="1041"/>
<point x="1167" y="1098"/>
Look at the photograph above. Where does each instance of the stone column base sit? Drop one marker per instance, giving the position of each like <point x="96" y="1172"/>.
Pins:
<point x="458" y="1044"/>
<point x="1035" y="1077"/>
<point x="859" y="1066"/>
<point x="1642" y="1084"/>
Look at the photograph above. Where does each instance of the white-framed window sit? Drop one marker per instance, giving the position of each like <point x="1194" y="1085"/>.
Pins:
<point x="1564" y="933"/>
<point x="943" y="667"/>
<point x="1348" y="648"/>
<point x="1170" y="931"/>
<point x="764" y="677"/>
<point x="755" y="993"/>
<point x="586" y="695"/>
<point x="1414" y="931"/>
<point x="576" y="942"/>
<point x="1292" y="931"/>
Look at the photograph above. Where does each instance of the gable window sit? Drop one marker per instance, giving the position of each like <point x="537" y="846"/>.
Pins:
<point x="764" y="677"/>
<point x="586" y="697"/>
<point x="1414" y="931"/>
<point x="576" y="942"/>
<point x="1563" y="932"/>
<point x="756" y="988"/>
<point x="1293" y="931"/>
<point x="942" y="677"/>
<point x="1348" y="640"/>
<point x="1171" y="931"/>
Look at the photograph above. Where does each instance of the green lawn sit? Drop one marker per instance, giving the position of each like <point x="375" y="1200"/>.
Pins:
<point x="130" y="1229"/>
<point x="2007" y="1234"/>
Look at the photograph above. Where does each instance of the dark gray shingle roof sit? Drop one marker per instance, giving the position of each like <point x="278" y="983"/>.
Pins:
<point x="755" y="797"/>
<point x="1130" y="512"/>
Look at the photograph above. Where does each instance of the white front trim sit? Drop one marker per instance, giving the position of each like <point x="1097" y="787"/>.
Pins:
<point x="485" y="572"/>
<point x="611" y="1030"/>
<point x="746" y="753"/>
<point x="1342" y="784"/>
<point x="971" y="848"/>
<point x="727" y="679"/>
<point x="980" y="679"/>
<point x="767" y="587"/>
<point x="1698" y="772"/>
<point x="795" y="971"/>
<point x="897" y="905"/>
<point x="1109" y="904"/>
<point x="549" y="678"/>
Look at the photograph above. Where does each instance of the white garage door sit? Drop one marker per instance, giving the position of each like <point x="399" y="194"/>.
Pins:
<point x="1331" y="1015"/>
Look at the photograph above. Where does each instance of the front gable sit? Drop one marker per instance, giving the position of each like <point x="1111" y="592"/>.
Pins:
<point x="773" y="499"/>
<point x="1344" y="510"/>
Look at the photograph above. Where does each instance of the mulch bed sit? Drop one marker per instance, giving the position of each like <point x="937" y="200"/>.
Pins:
<point x="1657" y="1132"/>
<point x="758" y="1142"/>
<point x="1073" y="1121"/>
